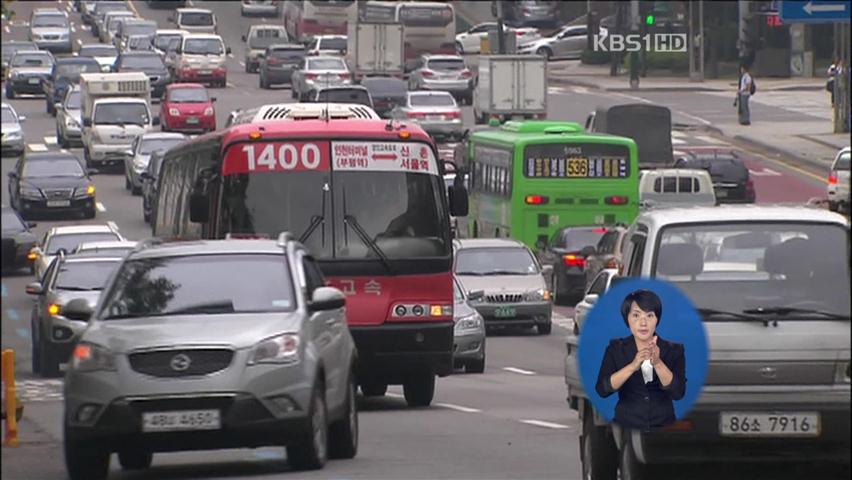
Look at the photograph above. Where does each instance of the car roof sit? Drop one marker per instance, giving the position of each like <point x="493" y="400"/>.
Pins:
<point x="208" y="247"/>
<point x="96" y="45"/>
<point x="427" y="93"/>
<point x="202" y="36"/>
<point x="37" y="52"/>
<point x="89" y="228"/>
<point x="107" y="245"/>
<point x="47" y="156"/>
<point x="286" y="46"/>
<point x="171" y="31"/>
<point x="465" y="243"/>
<point x="49" y="11"/>
<point x="193" y="10"/>
<point x="162" y="135"/>
<point x="72" y="60"/>
<point x="728" y="213"/>
<point x="343" y="87"/>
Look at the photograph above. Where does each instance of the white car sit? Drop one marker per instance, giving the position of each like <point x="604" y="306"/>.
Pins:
<point x="598" y="287"/>
<point x="104" y="54"/>
<point x="327" y="45"/>
<point x="569" y="42"/>
<point x="66" y="238"/>
<point x="469" y="41"/>
<point x="838" y="182"/>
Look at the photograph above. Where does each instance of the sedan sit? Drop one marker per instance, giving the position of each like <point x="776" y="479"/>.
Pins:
<point x="435" y="112"/>
<point x="469" y="331"/>
<point x="446" y="73"/>
<point x="27" y="71"/>
<point x="150" y="63"/>
<point x="150" y="185"/>
<point x="18" y="240"/>
<point x="278" y="63"/>
<point x="515" y="293"/>
<point x="569" y="42"/>
<point x="315" y="72"/>
<point x="566" y="254"/>
<point x="65" y="73"/>
<point x="65" y="238"/>
<point x="470" y="41"/>
<point x="51" y="182"/>
<point x="13" y="132"/>
<point x="140" y="153"/>
<point x="386" y="92"/>
<point x="187" y="108"/>
<point x="69" y="120"/>
<point x="260" y="7"/>
<point x="343" y="94"/>
<point x="53" y="335"/>
<point x="10" y="47"/>
<point x="103" y="53"/>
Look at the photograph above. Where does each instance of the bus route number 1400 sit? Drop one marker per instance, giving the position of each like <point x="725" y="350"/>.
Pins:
<point x="280" y="156"/>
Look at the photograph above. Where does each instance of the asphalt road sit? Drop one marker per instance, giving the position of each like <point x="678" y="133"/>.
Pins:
<point x="511" y="422"/>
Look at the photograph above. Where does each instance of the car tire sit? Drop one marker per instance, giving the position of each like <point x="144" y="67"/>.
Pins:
<point x="475" y="366"/>
<point x="35" y="359"/>
<point x="135" y="459"/>
<point x="343" y="434"/>
<point x="83" y="461"/>
<point x="544" y="328"/>
<point x="311" y="452"/>
<point x="419" y="389"/>
<point x="545" y="52"/>
<point x="559" y="298"/>
<point x="87" y="157"/>
<point x="48" y="363"/>
<point x="630" y="466"/>
<point x="598" y="454"/>
<point x="374" y="389"/>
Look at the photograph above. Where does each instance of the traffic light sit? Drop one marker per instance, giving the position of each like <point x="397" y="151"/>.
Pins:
<point x="647" y="17"/>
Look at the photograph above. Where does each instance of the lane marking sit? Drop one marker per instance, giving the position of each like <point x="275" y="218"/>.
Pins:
<point x="100" y="206"/>
<point x="678" y="134"/>
<point x="243" y="64"/>
<point x="766" y="172"/>
<point x="37" y="147"/>
<point x="230" y="55"/>
<point x="50" y="140"/>
<point x="229" y="84"/>
<point x="582" y="90"/>
<point x="74" y="28"/>
<point x="13" y="314"/>
<point x="132" y="6"/>
<point x="678" y="141"/>
<point x="113" y="225"/>
<point x="519" y="370"/>
<point x="541" y="423"/>
<point x="7" y="29"/>
<point x="458" y="407"/>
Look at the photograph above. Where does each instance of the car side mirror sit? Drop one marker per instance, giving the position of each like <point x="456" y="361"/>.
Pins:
<point x="588" y="251"/>
<point x="128" y="153"/>
<point x="326" y="298"/>
<point x="155" y="121"/>
<point x="32" y="224"/>
<point x="12" y="175"/>
<point x="58" y="106"/>
<point x="476" y="296"/>
<point x="591" y="298"/>
<point x="199" y="208"/>
<point x="228" y="50"/>
<point x="87" y="122"/>
<point x="78" y="309"/>
<point x="34" y="288"/>
<point x="93" y="171"/>
<point x="243" y="37"/>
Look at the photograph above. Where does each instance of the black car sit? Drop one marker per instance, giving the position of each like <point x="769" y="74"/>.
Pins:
<point x="149" y="185"/>
<point x="567" y="252"/>
<point x="732" y="182"/>
<point x="51" y="182"/>
<point x="387" y="92"/>
<point x="342" y="94"/>
<point x="17" y="240"/>
<point x="278" y="63"/>
<point x="65" y="74"/>
<point x="150" y="63"/>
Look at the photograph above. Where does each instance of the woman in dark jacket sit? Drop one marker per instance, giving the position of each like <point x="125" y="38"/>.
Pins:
<point x="647" y="372"/>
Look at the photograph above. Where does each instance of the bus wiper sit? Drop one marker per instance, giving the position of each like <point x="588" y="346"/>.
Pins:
<point x="351" y="220"/>
<point x="788" y="310"/>
<point x="710" y="313"/>
<point x="316" y="220"/>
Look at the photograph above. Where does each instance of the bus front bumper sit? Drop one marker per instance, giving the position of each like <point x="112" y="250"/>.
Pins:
<point x="389" y="352"/>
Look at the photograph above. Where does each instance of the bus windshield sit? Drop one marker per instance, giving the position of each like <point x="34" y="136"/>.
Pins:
<point x="413" y="15"/>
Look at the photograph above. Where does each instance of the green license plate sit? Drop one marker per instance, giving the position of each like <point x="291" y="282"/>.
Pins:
<point x="504" y="312"/>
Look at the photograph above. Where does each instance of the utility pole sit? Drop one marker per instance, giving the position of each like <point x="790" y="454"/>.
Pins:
<point x="501" y="40"/>
<point x="701" y="40"/>
<point x="634" y="56"/>
<point x="696" y="42"/>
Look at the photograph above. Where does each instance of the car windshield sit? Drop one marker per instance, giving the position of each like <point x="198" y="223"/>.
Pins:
<point x="245" y="283"/>
<point x="737" y="266"/>
<point x="188" y="95"/>
<point x="11" y="221"/>
<point x="9" y="50"/>
<point x="72" y="71"/>
<point x="142" y="61"/>
<point x="196" y="19"/>
<point x="73" y="101"/>
<point x="105" y="51"/>
<point x="575" y="239"/>
<point x="385" y="87"/>
<point x="69" y="241"/>
<point x="168" y="41"/>
<point x="402" y="212"/>
<point x="431" y="100"/>
<point x="151" y="145"/>
<point x="447" y="64"/>
<point x="326" y="64"/>
<point x="121" y="114"/>
<point x="332" y="43"/>
<point x="842" y="162"/>
<point x="60" y="167"/>
<point x="42" y="21"/>
<point x="8" y="116"/>
<point x="203" y="46"/>
<point x="32" y="60"/>
<point x="340" y="95"/>
<point x="495" y="261"/>
<point x="84" y="275"/>
<point x="265" y="37"/>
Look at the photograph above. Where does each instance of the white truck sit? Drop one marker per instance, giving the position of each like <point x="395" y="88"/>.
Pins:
<point x="375" y="49"/>
<point x="510" y="86"/>
<point x="116" y="109"/>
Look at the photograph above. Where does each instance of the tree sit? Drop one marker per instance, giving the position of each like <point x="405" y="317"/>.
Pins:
<point x="8" y="13"/>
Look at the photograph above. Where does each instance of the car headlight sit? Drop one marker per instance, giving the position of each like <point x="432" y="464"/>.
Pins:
<point x="174" y="111"/>
<point x="14" y="135"/>
<point x="537" y="295"/>
<point x="87" y="191"/>
<point x="30" y="192"/>
<point x="89" y="357"/>
<point x="140" y="163"/>
<point x="472" y="322"/>
<point x="279" y="349"/>
<point x="208" y="111"/>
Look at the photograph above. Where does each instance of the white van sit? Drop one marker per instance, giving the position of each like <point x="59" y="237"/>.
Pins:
<point x="200" y="58"/>
<point x="675" y="187"/>
<point x="195" y="20"/>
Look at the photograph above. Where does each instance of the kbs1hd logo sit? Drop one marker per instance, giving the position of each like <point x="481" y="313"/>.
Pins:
<point x="651" y="42"/>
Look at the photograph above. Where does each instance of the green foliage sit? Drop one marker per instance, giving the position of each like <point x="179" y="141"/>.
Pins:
<point x="7" y="12"/>
<point x="593" y="57"/>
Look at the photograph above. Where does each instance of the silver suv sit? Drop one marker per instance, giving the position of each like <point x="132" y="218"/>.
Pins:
<point x="209" y="345"/>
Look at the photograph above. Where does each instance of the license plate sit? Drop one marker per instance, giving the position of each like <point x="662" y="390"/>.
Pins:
<point x="778" y="424"/>
<point x="192" y="120"/>
<point x="435" y="117"/>
<point x="58" y="203"/>
<point x="181" y="420"/>
<point x="33" y="81"/>
<point x="721" y="194"/>
<point x="205" y="72"/>
<point x="504" y="312"/>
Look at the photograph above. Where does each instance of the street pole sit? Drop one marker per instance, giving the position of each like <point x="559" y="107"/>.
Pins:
<point x="634" y="56"/>
<point x="501" y="41"/>
<point x="690" y="41"/>
<point x="742" y="34"/>
<point x="701" y="40"/>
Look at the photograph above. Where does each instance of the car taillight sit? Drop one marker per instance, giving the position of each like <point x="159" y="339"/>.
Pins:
<point x="415" y="114"/>
<point x="428" y="73"/>
<point x="452" y="114"/>
<point x="466" y="73"/>
<point x="311" y="76"/>
<point x="616" y="200"/>
<point x="599" y="230"/>
<point x="572" y="260"/>
<point x="535" y="200"/>
<point x="832" y="178"/>
<point x="32" y="255"/>
<point x="343" y="76"/>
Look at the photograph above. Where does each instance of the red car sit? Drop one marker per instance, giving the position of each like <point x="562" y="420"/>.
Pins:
<point x="187" y="107"/>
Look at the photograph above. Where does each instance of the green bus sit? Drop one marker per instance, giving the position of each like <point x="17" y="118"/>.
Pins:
<point x="529" y="178"/>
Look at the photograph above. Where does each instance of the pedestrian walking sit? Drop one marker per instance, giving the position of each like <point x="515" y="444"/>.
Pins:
<point x="833" y="73"/>
<point x="745" y="91"/>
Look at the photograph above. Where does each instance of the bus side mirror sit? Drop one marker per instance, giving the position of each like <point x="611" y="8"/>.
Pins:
<point x="199" y="208"/>
<point x="457" y="195"/>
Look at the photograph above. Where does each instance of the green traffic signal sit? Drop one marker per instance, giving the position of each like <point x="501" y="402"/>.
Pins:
<point x="649" y="19"/>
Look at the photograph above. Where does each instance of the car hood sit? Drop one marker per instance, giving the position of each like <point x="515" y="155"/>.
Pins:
<point x="160" y="72"/>
<point x="56" y="182"/>
<point x="10" y="127"/>
<point x="32" y="70"/>
<point x="238" y="330"/>
<point x="492" y="284"/>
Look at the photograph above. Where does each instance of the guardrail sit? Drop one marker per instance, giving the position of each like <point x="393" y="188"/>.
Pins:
<point x="10" y="400"/>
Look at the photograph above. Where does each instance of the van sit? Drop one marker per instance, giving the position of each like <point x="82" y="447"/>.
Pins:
<point x="195" y="20"/>
<point x="200" y="58"/>
<point x="675" y="187"/>
<point x="133" y="27"/>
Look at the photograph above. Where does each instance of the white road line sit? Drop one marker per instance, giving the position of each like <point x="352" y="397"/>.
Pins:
<point x="458" y="407"/>
<point x="766" y="172"/>
<point x="677" y="141"/>
<point x="37" y="147"/>
<point x="519" y="370"/>
<point x="73" y="28"/>
<point x="50" y="140"/>
<point x="230" y="55"/>
<point x="6" y="29"/>
<point x="112" y="225"/>
<point x="678" y="134"/>
<point x="541" y="423"/>
<point x="705" y="138"/>
<point x="100" y="206"/>
<point x="230" y="84"/>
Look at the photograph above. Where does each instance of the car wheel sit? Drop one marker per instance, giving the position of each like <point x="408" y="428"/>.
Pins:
<point x="87" y="157"/>
<point x="476" y="366"/>
<point x="597" y="450"/>
<point x="83" y="461"/>
<point x="135" y="459"/>
<point x="544" y="328"/>
<point x="343" y="434"/>
<point x="47" y="361"/>
<point x="374" y="389"/>
<point x="419" y="389"/>
<point x="545" y="52"/>
<point x="311" y="452"/>
<point x="35" y="359"/>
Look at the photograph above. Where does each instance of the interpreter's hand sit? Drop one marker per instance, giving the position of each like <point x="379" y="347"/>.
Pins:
<point x="642" y="355"/>
<point x="654" y="352"/>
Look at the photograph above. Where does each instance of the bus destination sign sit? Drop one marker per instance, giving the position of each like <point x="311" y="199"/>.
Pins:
<point x="586" y="160"/>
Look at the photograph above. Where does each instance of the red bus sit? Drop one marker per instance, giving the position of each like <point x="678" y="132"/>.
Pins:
<point x="366" y="197"/>
<point x="304" y="19"/>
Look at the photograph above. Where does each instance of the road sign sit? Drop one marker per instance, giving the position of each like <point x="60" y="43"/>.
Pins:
<point x="815" y="11"/>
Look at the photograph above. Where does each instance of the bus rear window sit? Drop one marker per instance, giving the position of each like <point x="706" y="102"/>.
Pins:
<point x="423" y="16"/>
<point x="576" y="160"/>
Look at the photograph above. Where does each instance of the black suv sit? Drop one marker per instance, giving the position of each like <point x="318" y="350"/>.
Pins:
<point x="567" y="252"/>
<point x="731" y="180"/>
